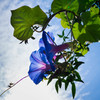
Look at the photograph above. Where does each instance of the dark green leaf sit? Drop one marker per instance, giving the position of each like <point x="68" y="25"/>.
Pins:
<point x="60" y="82"/>
<point x="78" y="80"/>
<point x="71" y="58"/>
<point x="89" y="16"/>
<point x="77" y="64"/>
<point x="66" y="37"/>
<point x="85" y="4"/>
<point x="24" y="18"/>
<point x="77" y="75"/>
<point x="56" y="86"/>
<point x="66" y="85"/>
<point x="33" y="38"/>
<point x="73" y="89"/>
<point x="63" y="32"/>
<point x="60" y="35"/>
<point x="57" y="58"/>
<point x="49" y="81"/>
<point x="78" y="54"/>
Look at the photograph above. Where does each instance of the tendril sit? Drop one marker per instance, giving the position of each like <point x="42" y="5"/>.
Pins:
<point x="12" y="85"/>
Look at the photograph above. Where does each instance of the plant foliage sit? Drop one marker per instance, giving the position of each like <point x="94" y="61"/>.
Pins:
<point x="80" y="17"/>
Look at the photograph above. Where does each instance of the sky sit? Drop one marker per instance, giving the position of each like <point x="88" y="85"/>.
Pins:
<point x="14" y="61"/>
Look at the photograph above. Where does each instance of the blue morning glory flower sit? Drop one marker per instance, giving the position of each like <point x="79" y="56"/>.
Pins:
<point x="51" y="49"/>
<point x="41" y="43"/>
<point x="39" y="65"/>
<point x="41" y="60"/>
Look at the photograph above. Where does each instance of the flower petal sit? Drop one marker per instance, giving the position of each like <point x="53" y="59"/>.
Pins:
<point x="48" y="48"/>
<point x="49" y="37"/>
<point x="35" y="58"/>
<point x="36" y="75"/>
<point x="37" y="67"/>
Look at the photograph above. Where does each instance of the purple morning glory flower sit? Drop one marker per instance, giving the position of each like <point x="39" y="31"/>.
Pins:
<point x="39" y="65"/>
<point x="51" y="49"/>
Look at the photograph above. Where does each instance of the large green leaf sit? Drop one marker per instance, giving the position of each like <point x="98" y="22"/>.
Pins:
<point x="90" y="16"/>
<point x="90" y="30"/>
<point x="85" y="4"/>
<point x="89" y="33"/>
<point x="58" y="5"/>
<point x="70" y="5"/>
<point x="77" y="6"/>
<point x="23" y="18"/>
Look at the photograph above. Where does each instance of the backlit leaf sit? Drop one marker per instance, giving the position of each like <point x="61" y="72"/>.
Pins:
<point x="65" y="24"/>
<point x="89" y="32"/>
<point x="23" y="18"/>
<point x="58" y="5"/>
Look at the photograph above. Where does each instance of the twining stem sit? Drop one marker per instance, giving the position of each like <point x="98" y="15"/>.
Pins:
<point x="71" y="26"/>
<point x="48" y="20"/>
<point x="13" y="85"/>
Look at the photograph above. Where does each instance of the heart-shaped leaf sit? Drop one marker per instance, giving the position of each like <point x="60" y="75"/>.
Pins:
<point x="24" y="18"/>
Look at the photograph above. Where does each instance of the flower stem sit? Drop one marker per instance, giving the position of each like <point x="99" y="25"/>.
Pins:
<point x="71" y="26"/>
<point x="13" y="85"/>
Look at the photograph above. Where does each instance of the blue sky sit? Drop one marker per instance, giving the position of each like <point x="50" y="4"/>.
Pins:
<point x="14" y="61"/>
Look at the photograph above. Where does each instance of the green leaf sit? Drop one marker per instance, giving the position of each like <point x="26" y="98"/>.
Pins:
<point x="58" y="5"/>
<point x="56" y="86"/>
<point x="85" y="4"/>
<point x="64" y="18"/>
<point x="49" y="81"/>
<point x="60" y="35"/>
<point x="66" y="85"/>
<point x="77" y="64"/>
<point x="90" y="29"/>
<point x="82" y="48"/>
<point x="77" y="75"/>
<point x="65" y="24"/>
<point x="23" y="18"/>
<point x="89" y="32"/>
<point x="73" y="89"/>
<point x="60" y="82"/>
<point x="63" y="32"/>
<point x="90" y="16"/>
<point x="58" y="16"/>
<point x="71" y="58"/>
<point x="79" y="55"/>
<point x="78" y="80"/>
<point x="33" y="38"/>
